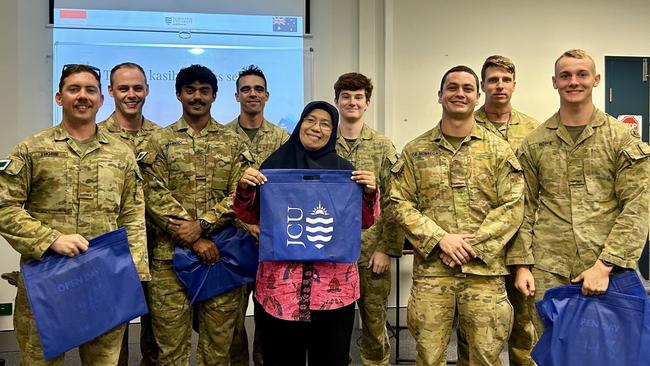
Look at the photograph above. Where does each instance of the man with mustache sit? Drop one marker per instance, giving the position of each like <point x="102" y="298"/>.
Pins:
<point x="457" y="192"/>
<point x="129" y="89"/>
<point x="262" y="138"/>
<point x="499" y="117"/>
<point x="190" y="169"/>
<point x="588" y="177"/>
<point x="63" y="186"/>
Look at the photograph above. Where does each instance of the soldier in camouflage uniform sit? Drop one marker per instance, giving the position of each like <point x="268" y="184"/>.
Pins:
<point x="368" y="150"/>
<point x="586" y="210"/>
<point x="498" y="117"/>
<point x="190" y="169"/>
<point x="262" y="138"/>
<point x="458" y="194"/>
<point x="63" y="186"/>
<point x="129" y="89"/>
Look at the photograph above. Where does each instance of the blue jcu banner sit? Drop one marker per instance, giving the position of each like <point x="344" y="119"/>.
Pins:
<point x="310" y="215"/>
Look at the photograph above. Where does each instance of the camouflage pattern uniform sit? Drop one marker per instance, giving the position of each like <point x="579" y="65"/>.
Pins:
<point x="190" y="175"/>
<point x="523" y="336"/>
<point x="477" y="189"/>
<point x="269" y="138"/>
<point x="374" y="152"/>
<point x="585" y="201"/>
<point x="52" y="187"/>
<point x="148" y="347"/>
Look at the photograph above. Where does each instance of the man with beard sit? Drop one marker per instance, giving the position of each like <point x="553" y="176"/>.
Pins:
<point x="129" y="90"/>
<point x="262" y="138"/>
<point x="190" y="169"/>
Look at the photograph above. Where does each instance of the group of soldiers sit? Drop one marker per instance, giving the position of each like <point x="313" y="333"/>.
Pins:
<point x="497" y="207"/>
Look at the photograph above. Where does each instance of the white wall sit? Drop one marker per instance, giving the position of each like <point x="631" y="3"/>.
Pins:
<point x="431" y="36"/>
<point x="403" y="45"/>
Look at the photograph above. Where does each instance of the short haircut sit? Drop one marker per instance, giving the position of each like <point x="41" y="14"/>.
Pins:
<point x="194" y="73"/>
<point x="500" y="62"/>
<point x="353" y="81"/>
<point x="459" y="68"/>
<point x="131" y="65"/>
<point x="579" y="54"/>
<point x="76" y="69"/>
<point x="250" y="70"/>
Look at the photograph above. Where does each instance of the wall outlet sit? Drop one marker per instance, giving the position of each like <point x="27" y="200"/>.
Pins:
<point x="6" y="308"/>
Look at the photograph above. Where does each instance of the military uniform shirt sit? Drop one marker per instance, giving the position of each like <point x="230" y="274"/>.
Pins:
<point x="190" y="175"/>
<point x="586" y="200"/>
<point x="376" y="153"/>
<point x="50" y="188"/>
<point x="477" y="189"/>
<point x="518" y="127"/>
<point x="137" y="140"/>
<point x="268" y="138"/>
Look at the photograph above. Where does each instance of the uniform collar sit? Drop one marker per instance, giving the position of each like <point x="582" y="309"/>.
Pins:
<point x="113" y="126"/>
<point x="182" y="125"/>
<point x="264" y="127"/>
<point x="481" y="116"/>
<point x="476" y="133"/>
<point x="61" y="134"/>
<point x="366" y="133"/>
<point x="597" y="119"/>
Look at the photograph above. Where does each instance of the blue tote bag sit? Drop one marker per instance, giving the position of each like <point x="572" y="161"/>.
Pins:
<point x="237" y="265"/>
<point x="310" y="215"/>
<point x="76" y="299"/>
<point x="609" y="329"/>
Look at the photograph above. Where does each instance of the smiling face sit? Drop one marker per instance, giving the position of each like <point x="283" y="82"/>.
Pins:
<point x="197" y="99"/>
<point x="316" y="130"/>
<point x="575" y="79"/>
<point x="80" y="98"/>
<point x="129" y="89"/>
<point x="459" y="95"/>
<point x="352" y="104"/>
<point x="251" y="94"/>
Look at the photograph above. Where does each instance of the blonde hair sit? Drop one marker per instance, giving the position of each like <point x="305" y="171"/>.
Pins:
<point x="579" y="54"/>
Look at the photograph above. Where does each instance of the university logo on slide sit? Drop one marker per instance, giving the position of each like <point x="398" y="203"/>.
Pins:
<point x="318" y="227"/>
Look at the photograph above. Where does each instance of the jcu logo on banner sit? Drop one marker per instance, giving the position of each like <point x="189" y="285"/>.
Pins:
<point x="316" y="228"/>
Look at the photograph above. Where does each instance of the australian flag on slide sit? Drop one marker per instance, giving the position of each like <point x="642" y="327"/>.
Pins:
<point x="285" y="24"/>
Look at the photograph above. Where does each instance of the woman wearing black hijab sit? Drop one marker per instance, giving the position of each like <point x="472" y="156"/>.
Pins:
<point x="306" y="309"/>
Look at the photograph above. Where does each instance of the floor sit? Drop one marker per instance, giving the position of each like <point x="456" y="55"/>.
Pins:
<point x="406" y="351"/>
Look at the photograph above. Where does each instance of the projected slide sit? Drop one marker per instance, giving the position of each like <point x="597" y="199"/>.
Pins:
<point x="163" y="43"/>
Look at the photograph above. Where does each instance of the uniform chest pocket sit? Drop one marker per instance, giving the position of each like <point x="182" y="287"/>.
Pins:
<point x="599" y="175"/>
<point x="182" y="165"/>
<point x="482" y="180"/>
<point x="222" y="168"/>
<point x="552" y="173"/>
<point x="110" y="184"/>
<point x="51" y="188"/>
<point x="433" y="180"/>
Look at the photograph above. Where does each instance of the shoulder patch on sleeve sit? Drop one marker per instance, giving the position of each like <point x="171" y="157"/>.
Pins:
<point x="248" y="156"/>
<point x="515" y="166"/>
<point x="637" y="152"/>
<point x="11" y="166"/>
<point x="393" y="159"/>
<point x="145" y="157"/>
<point x="4" y="163"/>
<point x="397" y="167"/>
<point x="140" y="156"/>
